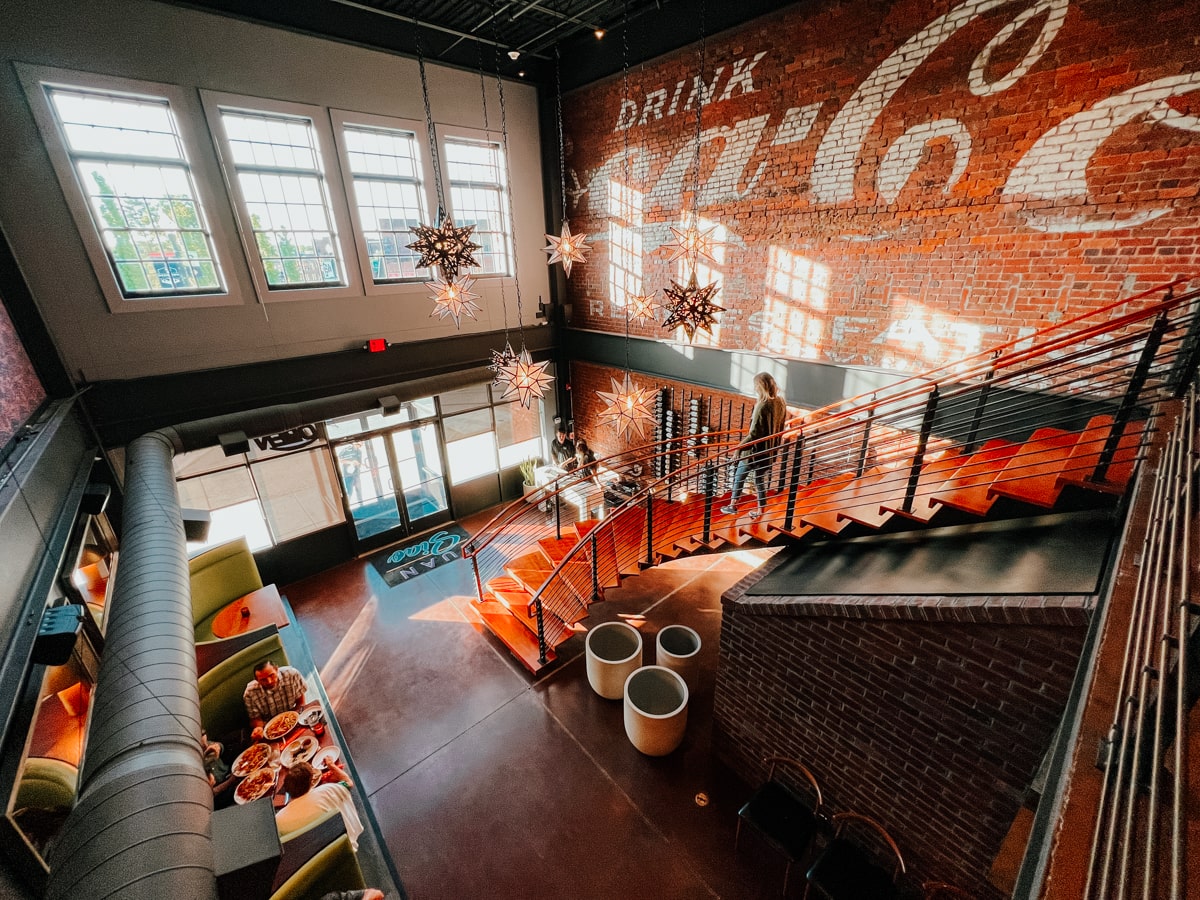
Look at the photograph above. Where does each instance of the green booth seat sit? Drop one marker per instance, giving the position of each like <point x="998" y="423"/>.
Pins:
<point x="220" y="575"/>
<point x="222" y="711"/>
<point x="46" y="783"/>
<point x="335" y="868"/>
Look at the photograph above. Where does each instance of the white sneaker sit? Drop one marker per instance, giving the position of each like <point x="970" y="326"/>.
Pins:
<point x="729" y="509"/>
<point x="755" y="513"/>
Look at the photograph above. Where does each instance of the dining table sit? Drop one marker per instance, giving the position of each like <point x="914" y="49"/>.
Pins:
<point x="279" y="745"/>
<point x="250" y="612"/>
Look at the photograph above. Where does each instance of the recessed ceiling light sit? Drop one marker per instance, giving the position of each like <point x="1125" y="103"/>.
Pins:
<point x="514" y="54"/>
<point x="521" y="74"/>
<point x="599" y="32"/>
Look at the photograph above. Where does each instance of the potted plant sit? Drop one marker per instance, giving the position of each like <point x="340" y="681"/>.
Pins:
<point x="528" y="469"/>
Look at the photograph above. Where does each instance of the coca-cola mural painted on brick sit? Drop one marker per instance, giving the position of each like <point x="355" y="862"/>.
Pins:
<point x="899" y="186"/>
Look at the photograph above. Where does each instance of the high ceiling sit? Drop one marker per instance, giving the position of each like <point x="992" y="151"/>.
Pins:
<point x="459" y="32"/>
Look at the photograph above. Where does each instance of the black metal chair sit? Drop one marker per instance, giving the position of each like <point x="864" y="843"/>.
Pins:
<point x="785" y="821"/>
<point x="847" y="871"/>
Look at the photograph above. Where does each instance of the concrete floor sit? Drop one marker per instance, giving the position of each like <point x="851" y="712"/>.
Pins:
<point x="487" y="782"/>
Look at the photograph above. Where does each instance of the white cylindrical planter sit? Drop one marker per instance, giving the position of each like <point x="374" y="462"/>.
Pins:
<point x="677" y="647"/>
<point x="614" y="651"/>
<point x="656" y="701"/>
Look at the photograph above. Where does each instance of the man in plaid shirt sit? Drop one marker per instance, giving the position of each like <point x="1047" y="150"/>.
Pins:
<point x="273" y="690"/>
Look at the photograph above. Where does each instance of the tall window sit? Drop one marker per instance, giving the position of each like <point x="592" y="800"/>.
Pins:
<point x="279" y="170"/>
<point x="479" y="197"/>
<point x="384" y="165"/>
<point x="120" y="155"/>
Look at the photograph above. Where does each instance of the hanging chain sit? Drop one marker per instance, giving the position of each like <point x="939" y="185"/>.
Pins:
<point x="512" y="219"/>
<point x="700" y="93"/>
<point x="562" y="155"/>
<point x="433" y="149"/>
<point x="628" y="179"/>
<point x="486" y="127"/>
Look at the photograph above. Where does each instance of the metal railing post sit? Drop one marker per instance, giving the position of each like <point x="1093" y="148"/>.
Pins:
<point x="596" y="598"/>
<point x="969" y="445"/>
<point x="866" y="440"/>
<point x="541" y="633"/>
<point x="649" y="528"/>
<point x="708" y="485"/>
<point x="914" y="473"/>
<point x="478" y="582"/>
<point x="794" y="481"/>
<point x="1136" y="383"/>
<point x="557" y="511"/>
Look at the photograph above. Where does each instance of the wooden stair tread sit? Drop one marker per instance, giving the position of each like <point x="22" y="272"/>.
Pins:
<point x="866" y="500"/>
<point x="530" y="579"/>
<point x="556" y="548"/>
<point x="1086" y="456"/>
<point x="932" y="474"/>
<point x="514" y="635"/>
<point x="511" y="593"/>
<point x="1033" y="474"/>
<point x="969" y="488"/>
<point x="535" y="560"/>
<point x="820" y="507"/>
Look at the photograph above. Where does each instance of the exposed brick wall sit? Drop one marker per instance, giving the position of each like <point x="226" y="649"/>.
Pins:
<point x="897" y="215"/>
<point x="20" y="390"/>
<point x="726" y="410"/>
<point x="932" y="717"/>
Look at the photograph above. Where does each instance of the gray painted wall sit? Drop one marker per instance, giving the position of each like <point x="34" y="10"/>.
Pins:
<point x="165" y="43"/>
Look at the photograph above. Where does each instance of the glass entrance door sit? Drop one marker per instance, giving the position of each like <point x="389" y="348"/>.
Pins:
<point x="393" y="483"/>
<point x="419" y="461"/>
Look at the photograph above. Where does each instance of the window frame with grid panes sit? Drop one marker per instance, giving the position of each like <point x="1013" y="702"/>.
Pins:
<point x="422" y="181"/>
<point x="194" y="170"/>
<point x="449" y="136"/>
<point x="329" y="190"/>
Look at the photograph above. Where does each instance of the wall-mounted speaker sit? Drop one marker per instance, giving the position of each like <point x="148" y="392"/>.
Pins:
<point x="234" y="442"/>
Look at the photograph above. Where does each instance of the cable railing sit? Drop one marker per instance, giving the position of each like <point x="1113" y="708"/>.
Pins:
<point x="1138" y="850"/>
<point x="1080" y="391"/>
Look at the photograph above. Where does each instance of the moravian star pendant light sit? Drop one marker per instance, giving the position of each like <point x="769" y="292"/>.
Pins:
<point x="564" y="247"/>
<point x="689" y="306"/>
<point x="627" y="407"/>
<point x="445" y="247"/>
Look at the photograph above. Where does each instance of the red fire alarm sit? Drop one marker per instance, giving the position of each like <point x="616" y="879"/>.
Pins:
<point x="376" y="345"/>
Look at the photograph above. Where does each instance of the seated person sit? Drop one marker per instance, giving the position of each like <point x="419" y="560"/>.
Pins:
<point x="307" y="803"/>
<point x="220" y="778"/>
<point x="584" y="462"/>
<point x="562" y="448"/>
<point x="273" y="690"/>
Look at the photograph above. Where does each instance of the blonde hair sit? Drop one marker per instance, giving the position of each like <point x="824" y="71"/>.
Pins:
<point x="765" y="386"/>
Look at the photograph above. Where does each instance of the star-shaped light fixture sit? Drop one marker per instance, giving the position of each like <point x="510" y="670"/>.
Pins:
<point x="524" y="379"/>
<point x="567" y="248"/>
<point x="642" y="307"/>
<point x="448" y="247"/>
<point x="454" y="298"/>
<point x="501" y="360"/>
<point x="691" y="244"/>
<point x="690" y="307"/>
<point x="627" y="407"/>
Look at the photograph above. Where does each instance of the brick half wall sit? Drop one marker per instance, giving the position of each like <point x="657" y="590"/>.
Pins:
<point x="930" y="714"/>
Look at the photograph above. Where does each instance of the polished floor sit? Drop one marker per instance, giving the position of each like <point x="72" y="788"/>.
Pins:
<point x="487" y="782"/>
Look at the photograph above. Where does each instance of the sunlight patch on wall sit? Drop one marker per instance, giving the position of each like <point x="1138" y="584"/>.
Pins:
<point x="625" y="243"/>
<point x="920" y="338"/>
<point x="792" y="321"/>
<point x="744" y="366"/>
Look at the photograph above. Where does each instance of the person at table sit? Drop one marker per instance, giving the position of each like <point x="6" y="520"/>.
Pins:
<point x="220" y="777"/>
<point x="584" y="463"/>
<point x="562" y="448"/>
<point x="274" y="690"/>
<point x="306" y="803"/>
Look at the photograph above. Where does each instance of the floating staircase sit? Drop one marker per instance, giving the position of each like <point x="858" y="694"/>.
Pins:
<point x="1006" y="436"/>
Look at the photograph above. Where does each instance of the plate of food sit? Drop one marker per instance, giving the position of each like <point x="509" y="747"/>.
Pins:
<point x="257" y="784"/>
<point x="299" y="750"/>
<point x="311" y="717"/>
<point x="253" y="757"/>
<point x="324" y="755"/>
<point x="281" y="725"/>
